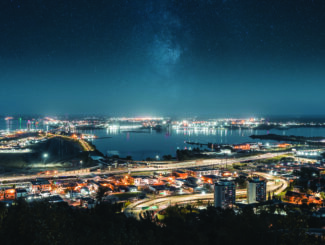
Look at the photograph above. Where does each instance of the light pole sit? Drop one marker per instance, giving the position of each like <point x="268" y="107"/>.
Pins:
<point x="45" y="156"/>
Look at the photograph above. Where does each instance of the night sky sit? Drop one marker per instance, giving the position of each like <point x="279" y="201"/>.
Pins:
<point x="162" y="57"/>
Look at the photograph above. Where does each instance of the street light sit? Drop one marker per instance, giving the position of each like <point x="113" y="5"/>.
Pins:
<point x="45" y="156"/>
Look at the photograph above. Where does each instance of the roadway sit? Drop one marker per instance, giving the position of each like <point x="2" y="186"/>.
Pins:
<point x="284" y="183"/>
<point x="171" y="166"/>
<point x="214" y="162"/>
<point x="83" y="143"/>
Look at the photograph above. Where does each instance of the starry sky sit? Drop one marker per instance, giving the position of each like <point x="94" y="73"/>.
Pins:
<point x="162" y="57"/>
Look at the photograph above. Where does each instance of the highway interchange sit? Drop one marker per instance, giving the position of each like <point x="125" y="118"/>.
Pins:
<point x="136" y="208"/>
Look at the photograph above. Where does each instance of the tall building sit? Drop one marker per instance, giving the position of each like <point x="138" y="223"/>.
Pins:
<point x="224" y="194"/>
<point x="256" y="190"/>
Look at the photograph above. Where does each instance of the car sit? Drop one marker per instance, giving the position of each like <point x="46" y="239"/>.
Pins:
<point x="45" y="194"/>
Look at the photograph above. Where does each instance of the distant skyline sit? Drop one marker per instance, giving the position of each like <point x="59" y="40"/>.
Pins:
<point x="274" y="118"/>
<point x="164" y="58"/>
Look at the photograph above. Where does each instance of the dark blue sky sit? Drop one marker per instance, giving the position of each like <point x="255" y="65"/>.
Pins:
<point x="162" y="57"/>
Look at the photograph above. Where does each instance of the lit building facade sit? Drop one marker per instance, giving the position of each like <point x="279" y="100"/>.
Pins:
<point x="224" y="194"/>
<point x="256" y="190"/>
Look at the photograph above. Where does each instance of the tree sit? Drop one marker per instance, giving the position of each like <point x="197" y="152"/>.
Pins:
<point x="167" y="157"/>
<point x="101" y="193"/>
<point x="269" y="196"/>
<point x="322" y="194"/>
<point x="241" y="182"/>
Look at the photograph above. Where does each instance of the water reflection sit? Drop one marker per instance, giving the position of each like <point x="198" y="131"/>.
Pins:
<point x="141" y="144"/>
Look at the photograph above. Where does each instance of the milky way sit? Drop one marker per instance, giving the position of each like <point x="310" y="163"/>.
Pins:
<point x="212" y="57"/>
